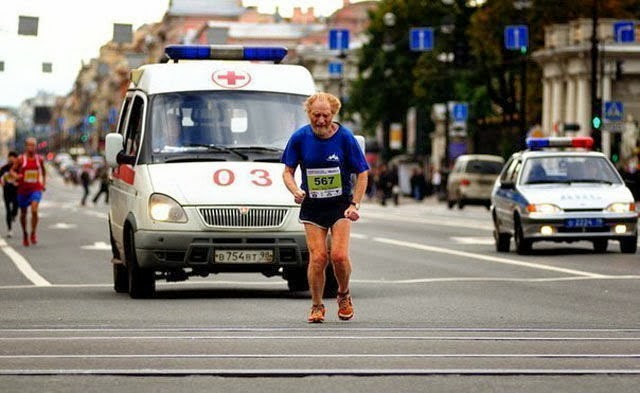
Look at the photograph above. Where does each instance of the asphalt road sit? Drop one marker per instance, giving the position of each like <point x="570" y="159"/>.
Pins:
<point x="437" y="309"/>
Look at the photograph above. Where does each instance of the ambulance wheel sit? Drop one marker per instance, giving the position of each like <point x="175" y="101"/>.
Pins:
<point x="600" y="245"/>
<point x="142" y="284"/>
<point x="120" y="278"/>
<point x="297" y="279"/>
<point x="330" y="283"/>
<point x="523" y="246"/>
<point x="629" y="245"/>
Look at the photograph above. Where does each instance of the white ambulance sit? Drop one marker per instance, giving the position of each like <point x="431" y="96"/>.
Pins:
<point x="197" y="182"/>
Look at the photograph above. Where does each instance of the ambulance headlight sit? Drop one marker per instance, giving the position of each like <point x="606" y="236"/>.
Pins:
<point x="620" y="207"/>
<point x="163" y="208"/>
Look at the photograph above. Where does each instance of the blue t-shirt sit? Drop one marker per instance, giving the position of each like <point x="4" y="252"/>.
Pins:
<point x="326" y="164"/>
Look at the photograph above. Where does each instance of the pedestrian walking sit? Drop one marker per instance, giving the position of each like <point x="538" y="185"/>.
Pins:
<point x="418" y="184"/>
<point x="103" y="178"/>
<point x="85" y="181"/>
<point x="31" y="174"/>
<point x="389" y="185"/>
<point x="9" y="191"/>
<point x="327" y="154"/>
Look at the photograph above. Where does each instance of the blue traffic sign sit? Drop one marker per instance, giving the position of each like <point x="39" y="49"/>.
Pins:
<point x="335" y="69"/>
<point x="624" y="31"/>
<point x="613" y="111"/>
<point x="460" y="111"/>
<point x="421" y="39"/>
<point x="338" y="39"/>
<point x="516" y="37"/>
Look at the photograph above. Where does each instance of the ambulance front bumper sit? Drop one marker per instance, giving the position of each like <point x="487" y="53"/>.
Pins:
<point x="220" y="251"/>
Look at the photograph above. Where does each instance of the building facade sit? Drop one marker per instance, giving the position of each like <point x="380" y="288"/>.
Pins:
<point x="566" y="65"/>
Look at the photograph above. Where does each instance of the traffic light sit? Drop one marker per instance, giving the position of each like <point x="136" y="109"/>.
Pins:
<point x="596" y="120"/>
<point x="84" y="137"/>
<point x="91" y="118"/>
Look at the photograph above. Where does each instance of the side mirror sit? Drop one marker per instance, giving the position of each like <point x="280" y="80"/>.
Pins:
<point x="113" y="144"/>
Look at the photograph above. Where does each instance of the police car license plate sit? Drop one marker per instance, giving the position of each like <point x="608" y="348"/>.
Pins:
<point x="583" y="222"/>
<point x="243" y="256"/>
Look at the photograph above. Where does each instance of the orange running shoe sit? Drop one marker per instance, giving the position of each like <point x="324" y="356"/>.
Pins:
<point x="25" y="239"/>
<point x="317" y="313"/>
<point x="345" y="306"/>
<point x="34" y="239"/>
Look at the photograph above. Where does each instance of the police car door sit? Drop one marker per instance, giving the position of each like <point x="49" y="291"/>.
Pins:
<point x="505" y="195"/>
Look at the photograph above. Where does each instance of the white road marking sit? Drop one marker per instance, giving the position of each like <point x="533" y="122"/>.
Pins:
<point x="473" y="256"/>
<point x="334" y="356"/>
<point x="486" y="240"/>
<point x="63" y="225"/>
<point x="23" y="265"/>
<point x="97" y="246"/>
<point x="448" y="221"/>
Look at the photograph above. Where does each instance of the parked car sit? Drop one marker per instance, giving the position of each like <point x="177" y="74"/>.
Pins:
<point x="471" y="180"/>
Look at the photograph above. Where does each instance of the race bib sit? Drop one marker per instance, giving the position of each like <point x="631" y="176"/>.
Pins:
<point x="31" y="176"/>
<point x="324" y="182"/>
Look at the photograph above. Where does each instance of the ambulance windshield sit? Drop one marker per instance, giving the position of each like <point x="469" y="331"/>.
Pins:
<point x="192" y="121"/>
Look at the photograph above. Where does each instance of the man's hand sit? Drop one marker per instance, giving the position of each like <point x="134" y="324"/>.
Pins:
<point x="352" y="213"/>
<point x="299" y="196"/>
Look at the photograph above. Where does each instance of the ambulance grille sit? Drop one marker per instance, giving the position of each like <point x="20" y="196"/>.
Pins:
<point x="243" y="217"/>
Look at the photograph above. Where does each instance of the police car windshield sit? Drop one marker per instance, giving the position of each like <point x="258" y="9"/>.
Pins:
<point x="195" y="121"/>
<point x="568" y="169"/>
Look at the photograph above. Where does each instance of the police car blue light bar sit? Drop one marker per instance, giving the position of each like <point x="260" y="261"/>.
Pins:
<point x="585" y="142"/>
<point x="226" y="52"/>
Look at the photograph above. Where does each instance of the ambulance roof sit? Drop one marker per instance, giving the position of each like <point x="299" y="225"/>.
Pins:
<point x="207" y="74"/>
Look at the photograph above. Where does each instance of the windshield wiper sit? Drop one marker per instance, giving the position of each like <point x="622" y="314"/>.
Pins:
<point x="258" y="148"/>
<point x="218" y="148"/>
<point x="592" y="181"/>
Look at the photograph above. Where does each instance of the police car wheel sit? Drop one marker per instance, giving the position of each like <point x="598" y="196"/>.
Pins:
<point x="629" y="245"/>
<point x="523" y="246"/>
<point x="503" y="241"/>
<point x="600" y="245"/>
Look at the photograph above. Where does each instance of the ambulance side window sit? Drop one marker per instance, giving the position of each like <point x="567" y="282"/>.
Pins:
<point x="123" y="115"/>
<point x="134" y="127"/>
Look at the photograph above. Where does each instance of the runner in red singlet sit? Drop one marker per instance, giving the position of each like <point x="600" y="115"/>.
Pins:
<point x="30" y="172"/>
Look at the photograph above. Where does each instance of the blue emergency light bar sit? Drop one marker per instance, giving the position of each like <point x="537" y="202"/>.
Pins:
<point x="585" y="142"/>
<point x="226" y="52"/>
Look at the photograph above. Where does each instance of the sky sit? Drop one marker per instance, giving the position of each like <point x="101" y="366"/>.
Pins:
<point x="71" y="32"/>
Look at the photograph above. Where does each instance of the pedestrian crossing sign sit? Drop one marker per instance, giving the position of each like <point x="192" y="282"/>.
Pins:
<point x="613" y="111"/>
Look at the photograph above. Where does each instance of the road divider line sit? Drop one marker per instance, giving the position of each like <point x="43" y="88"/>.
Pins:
<point x="23" y="265"/>
<point x="488" y="258"/>
<point x="448" y="221"/>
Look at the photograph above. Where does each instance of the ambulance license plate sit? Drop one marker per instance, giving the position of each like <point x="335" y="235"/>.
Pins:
<point x="243" y="256"/>
<point x="583" y="222"/>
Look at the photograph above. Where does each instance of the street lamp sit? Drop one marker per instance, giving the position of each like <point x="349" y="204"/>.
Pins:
<point x="389" y="20"/>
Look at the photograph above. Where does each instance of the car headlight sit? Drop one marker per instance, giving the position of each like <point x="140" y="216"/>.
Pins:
<point x="163" y="208"/>
<point x="621" y="207"/>
<point x="543" y="208"/>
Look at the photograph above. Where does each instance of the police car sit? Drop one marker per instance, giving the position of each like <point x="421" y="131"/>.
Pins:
<point x="558" y="190"/>
<point x="197" y="183"/>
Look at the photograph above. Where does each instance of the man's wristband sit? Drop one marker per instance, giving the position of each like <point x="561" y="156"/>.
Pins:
<point x="357" y="205"/>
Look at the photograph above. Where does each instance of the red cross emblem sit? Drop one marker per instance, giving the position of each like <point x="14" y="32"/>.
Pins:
<point x="230" y="79"/>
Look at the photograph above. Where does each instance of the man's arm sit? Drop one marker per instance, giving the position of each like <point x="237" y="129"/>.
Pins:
<point x="290" y="183"/>
<point x="360" y="187"/>
<point x="44" y="173"/>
